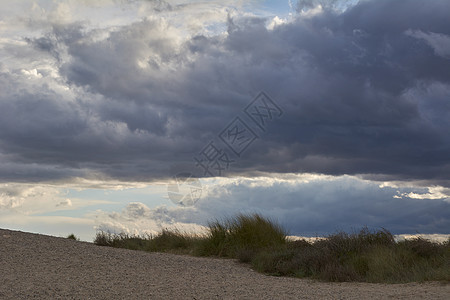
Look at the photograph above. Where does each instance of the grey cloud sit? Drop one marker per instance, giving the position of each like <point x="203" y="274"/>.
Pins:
<point x="439" y="42"/>
<point x="364" y="91"/>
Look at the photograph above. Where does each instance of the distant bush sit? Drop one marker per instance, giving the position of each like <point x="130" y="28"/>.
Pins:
<point x="72" y="237"/>
<point x="369" y="256"/>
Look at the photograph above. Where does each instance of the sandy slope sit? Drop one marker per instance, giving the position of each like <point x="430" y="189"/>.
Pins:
<point x="44" y="267"/>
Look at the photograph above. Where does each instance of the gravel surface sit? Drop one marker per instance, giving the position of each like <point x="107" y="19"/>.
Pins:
<point x="43" y="267"/>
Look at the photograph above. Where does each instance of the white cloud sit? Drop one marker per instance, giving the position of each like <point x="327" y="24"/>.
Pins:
<point x="440" y="238"/>
<point x="38" y="198"/>
<point x="276" y="21"/>
<point x="138" y="219"/>
<point x="435" y="192"/>
<point x="32" y="73"/>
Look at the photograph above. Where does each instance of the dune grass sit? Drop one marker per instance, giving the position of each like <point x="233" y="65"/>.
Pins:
<point x="365" y="256"/>
<point x="166" y="241"/>
<point x="241" y="237"/>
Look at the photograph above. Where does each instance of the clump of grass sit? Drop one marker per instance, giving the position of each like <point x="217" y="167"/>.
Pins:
<point x="241" y="237"/>
<point x="369" y="256"/>
<point x="72" y="237"/>
<point x="166" y="241"/>
<point x="173" y="241"/>
<point x="121" y="240"/>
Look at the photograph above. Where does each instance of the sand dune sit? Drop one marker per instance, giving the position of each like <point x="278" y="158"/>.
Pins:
<point x="45" y="267"/>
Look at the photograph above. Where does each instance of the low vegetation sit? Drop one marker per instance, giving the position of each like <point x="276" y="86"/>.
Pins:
<point x="363" y="256"/>
<point x="72" y="237"/>
<point x="166" y="241"/>
<point x="367" y="256"/>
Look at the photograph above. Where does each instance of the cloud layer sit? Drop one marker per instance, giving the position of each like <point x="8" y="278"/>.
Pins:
<point x="364" y="90"/>
<point x="307" y="205"/>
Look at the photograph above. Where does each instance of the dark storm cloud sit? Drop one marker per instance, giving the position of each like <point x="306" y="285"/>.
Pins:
<point x="364" y="91"/>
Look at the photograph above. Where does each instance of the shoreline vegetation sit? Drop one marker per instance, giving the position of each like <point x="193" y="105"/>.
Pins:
<point x="364" y="256"/>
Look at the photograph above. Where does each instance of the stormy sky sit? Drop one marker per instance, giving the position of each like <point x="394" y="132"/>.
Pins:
<point x="356" y="95"/>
